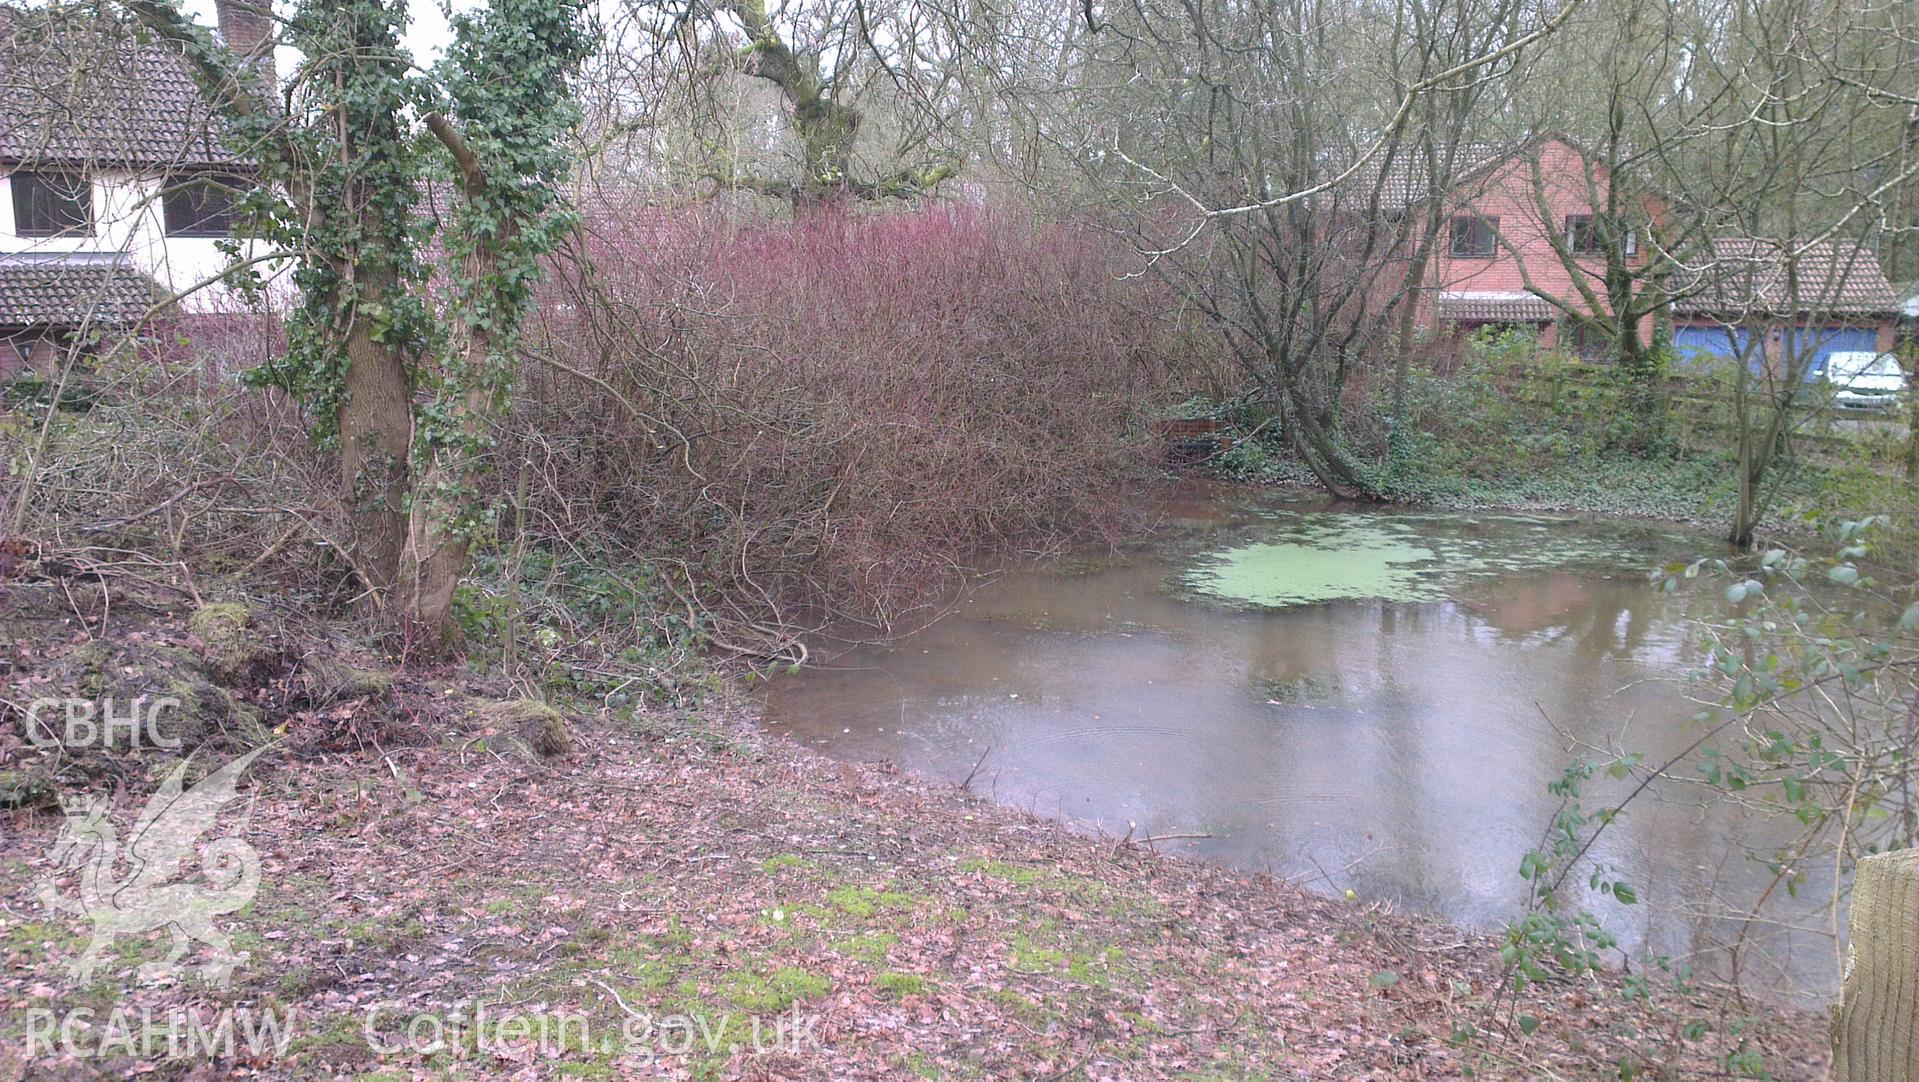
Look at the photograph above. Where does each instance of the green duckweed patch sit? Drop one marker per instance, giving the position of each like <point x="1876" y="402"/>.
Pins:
<point x="1337" y="563"/>
<point x="1313" y="558"/>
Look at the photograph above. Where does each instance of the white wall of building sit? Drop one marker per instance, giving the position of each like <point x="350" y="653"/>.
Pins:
<point x="129" y="223"/>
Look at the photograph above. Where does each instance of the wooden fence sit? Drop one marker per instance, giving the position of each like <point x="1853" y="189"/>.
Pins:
<point x="1876" y="1030"/>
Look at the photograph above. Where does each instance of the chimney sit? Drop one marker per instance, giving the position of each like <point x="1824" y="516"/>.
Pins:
<point x="247" y="28"/>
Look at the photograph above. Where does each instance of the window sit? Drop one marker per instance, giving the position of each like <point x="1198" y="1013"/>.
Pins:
<point x="47" y="204"/>
<point x="1583" y="238"/>
<point x="200" y="206"/>
<point x="1474" y="237"/>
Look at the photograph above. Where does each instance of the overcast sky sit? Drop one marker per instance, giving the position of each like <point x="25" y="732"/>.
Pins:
<point x="425" y="38"/>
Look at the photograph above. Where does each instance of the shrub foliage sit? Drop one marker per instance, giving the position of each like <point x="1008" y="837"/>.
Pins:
<point x="836" y="414"/>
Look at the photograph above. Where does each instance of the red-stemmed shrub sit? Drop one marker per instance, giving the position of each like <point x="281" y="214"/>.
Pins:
<point x="839" y="415"/>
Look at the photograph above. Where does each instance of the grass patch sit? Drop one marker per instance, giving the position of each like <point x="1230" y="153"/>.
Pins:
<point x="376" y="934"/>
<point x="342" y="1041"/>
<point x="1020" y="1004"/>
<point x="773" y="992"/>
<point x="866" y="902"/>
<point x="871" y="948"/>
<point x="900" y="985"/>
<point x="39" y="935"/>
<point x="1025" y="957"/>
<point x="1023" y="874"/>
<point x="646" y="969"/>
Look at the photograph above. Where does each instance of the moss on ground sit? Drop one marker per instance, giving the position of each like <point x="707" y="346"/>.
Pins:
<point x="900" y="985"/>
<point x="333" y="679"/>
<point x="770" y="993"/>
<point x="858" y="901"/>
<point x="236" y="651"/>
<point x="870" y="948"/>
<point x="530" y="727"/>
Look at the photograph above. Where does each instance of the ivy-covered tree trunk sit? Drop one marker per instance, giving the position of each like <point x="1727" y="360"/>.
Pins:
<point x="375" y="436"/>
<point x="405" y="381"/>
<point x="337" y="191"/>
<point x="350" y="208"/>
<point x="362" y="290"/>
<point x="508" y="77"/>
<point x="440" y="531"/>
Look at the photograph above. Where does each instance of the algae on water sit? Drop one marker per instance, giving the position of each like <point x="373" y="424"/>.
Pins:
<point x="1307" y="559"/>
<point x="1341" y="563"/>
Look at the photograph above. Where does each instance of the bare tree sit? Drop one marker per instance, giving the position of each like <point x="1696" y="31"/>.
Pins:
<point x="1797" y="149"/>
<point x="1617" y="88"/>
<point x="857" y="104"/>
<point x="1280" y="161"/>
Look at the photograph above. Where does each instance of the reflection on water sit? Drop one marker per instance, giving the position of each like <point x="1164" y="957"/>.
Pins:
<point x="1397" y="747"/>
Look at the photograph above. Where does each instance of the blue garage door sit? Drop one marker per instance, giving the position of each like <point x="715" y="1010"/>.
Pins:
<point x="1826" y="341"/>
<point x="1699" y="345"/>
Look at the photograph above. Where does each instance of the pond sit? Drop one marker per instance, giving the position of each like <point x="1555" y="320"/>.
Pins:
<point x="1350" y="698"/>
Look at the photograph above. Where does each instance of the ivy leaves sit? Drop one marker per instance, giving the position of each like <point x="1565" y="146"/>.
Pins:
<point x="342" y="175"/>
<point x="507" y="83"/>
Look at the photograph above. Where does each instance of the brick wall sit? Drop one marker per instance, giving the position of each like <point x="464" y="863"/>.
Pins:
<point x="1524" y="256"/>
<point x="41" y="354"/>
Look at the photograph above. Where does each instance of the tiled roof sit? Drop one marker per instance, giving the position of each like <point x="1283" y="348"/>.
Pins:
<point x="1409" y="177"/>
<point x="77" y="88"/>
<point x="1749" y="275"/>
<point x="72" y="294"/>
<point x="1492" y="307"/>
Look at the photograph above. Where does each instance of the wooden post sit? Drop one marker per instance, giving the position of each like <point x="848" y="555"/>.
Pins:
<point x="1876" y="1032"/>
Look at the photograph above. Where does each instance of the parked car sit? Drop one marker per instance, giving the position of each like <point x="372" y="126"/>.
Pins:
<point x="1864" y="380"/>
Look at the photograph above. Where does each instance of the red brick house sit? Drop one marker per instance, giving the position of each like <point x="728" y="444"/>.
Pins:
<point x="1498" y="261"/>
<point x="1522" y="246"/>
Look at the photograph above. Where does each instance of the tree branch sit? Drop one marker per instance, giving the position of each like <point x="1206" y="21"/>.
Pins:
<point x="472" y="173"/>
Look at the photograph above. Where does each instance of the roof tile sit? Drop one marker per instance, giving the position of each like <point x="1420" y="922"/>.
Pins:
<point x="78" y="88"/>
<point x="72" y="294"/>
<point x="1749" y="275"/>
<point x="1492" y="307"/>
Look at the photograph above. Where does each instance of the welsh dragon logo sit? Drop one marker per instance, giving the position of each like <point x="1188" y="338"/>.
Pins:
<point x="141" y="890"/>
